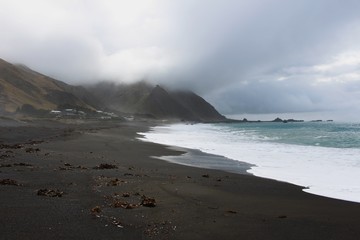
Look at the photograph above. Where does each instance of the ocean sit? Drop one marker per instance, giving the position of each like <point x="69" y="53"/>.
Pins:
<point x="323" y="157"/>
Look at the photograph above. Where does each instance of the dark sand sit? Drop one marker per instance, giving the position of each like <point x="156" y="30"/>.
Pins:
<point x="191" y="203"/>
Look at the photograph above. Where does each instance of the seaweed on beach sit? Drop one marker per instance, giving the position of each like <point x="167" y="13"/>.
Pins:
<point x="124" y="204"/>
<point x="117" y="201"/>
<point x="68" y="166"/>
<point x="148" y="202"/>
<point x="9" y="182"/>
<point x="23" y="164"/>
<point x="105" y="166"/>
<point x="8" y="146"/>
<point x="5" y="165"/>
<point x="32" y="150"/>
<point x="4" y="156"/>
<point x="50" y="192"/>
<point x="114" y="182"/>
<point x="96" y="210"/>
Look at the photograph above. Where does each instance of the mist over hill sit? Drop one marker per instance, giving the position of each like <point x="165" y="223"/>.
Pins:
<point x="24" y="89"/>
<point x="155" y="101"/>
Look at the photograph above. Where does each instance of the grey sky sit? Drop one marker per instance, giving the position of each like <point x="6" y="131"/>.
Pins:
<point x="242" y="55"/>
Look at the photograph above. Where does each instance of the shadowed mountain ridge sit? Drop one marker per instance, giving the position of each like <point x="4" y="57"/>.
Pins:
<point x="143" y="98"/>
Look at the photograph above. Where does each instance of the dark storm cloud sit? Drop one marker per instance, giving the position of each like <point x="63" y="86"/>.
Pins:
<point x="249" y="55"/>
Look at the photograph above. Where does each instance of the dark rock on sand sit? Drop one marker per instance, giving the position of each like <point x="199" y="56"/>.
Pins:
<point x="50" y="193"/>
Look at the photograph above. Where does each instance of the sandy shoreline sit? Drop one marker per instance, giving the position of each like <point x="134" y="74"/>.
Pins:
<point x="191" y="203"/>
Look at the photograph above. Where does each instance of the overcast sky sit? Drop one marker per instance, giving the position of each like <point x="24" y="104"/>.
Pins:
<point x="255" y="56"/>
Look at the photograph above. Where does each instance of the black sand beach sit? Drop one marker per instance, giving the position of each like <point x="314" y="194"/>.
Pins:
<point x="95" y="180"/>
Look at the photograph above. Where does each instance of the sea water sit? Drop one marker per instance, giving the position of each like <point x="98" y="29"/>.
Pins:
<point x="323" y="157"/>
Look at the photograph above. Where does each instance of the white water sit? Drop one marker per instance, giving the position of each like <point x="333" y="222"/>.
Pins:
<point x="330" y="172"/>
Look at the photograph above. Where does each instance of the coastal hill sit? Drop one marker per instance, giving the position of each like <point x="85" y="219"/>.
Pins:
<point x="21" y="86"/>
<point x="144" y="99"/>
<point x="27" y="91"/>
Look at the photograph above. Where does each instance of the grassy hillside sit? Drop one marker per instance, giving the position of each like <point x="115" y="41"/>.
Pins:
<point x="20" y="86"/>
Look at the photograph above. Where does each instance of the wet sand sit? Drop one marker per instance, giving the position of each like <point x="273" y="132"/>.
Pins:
<point x="98" y="181"/>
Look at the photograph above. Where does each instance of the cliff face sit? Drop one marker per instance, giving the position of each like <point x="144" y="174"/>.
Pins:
<point x="199" y="108"/>
<point x="162" y="104"/>
<point x="143" y="98"/>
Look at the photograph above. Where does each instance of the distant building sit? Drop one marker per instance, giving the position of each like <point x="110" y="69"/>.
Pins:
<point x="55" y="112"/>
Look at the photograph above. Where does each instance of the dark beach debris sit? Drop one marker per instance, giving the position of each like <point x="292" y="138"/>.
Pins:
<point x="126" y="194"/>
<point x="232" y="211"/>
<point x="9" y="182"/>
<point x="8" y="146"/>
<point x="23" y="164"/>
<point x="106" y="166"/>
<point x="117" y="201"/>
<point x="148" y="202"/>
<point x="68" y="166"/>
<point x="50" y="192"/>
<point x="206" y="175"/>
<point x="32" y="150"/>
<point x="81" y="167"/>
<point x="5" y="165"/>
<point x="282" y="216"/>
<point x="114" y="182"/>
<point x="107" y="181"/>
<point x="128" y="174"/>
<point x="96" y="210"/>
<point x="34" y="142"/>
<point x="124" y="204"/>
<point x="3" y="156"/>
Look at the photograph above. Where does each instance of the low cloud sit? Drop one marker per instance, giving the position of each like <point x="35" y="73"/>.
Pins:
<point x="253" y="56"/>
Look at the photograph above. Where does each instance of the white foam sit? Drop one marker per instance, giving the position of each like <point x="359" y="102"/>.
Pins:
<point x="331" y="172"/>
